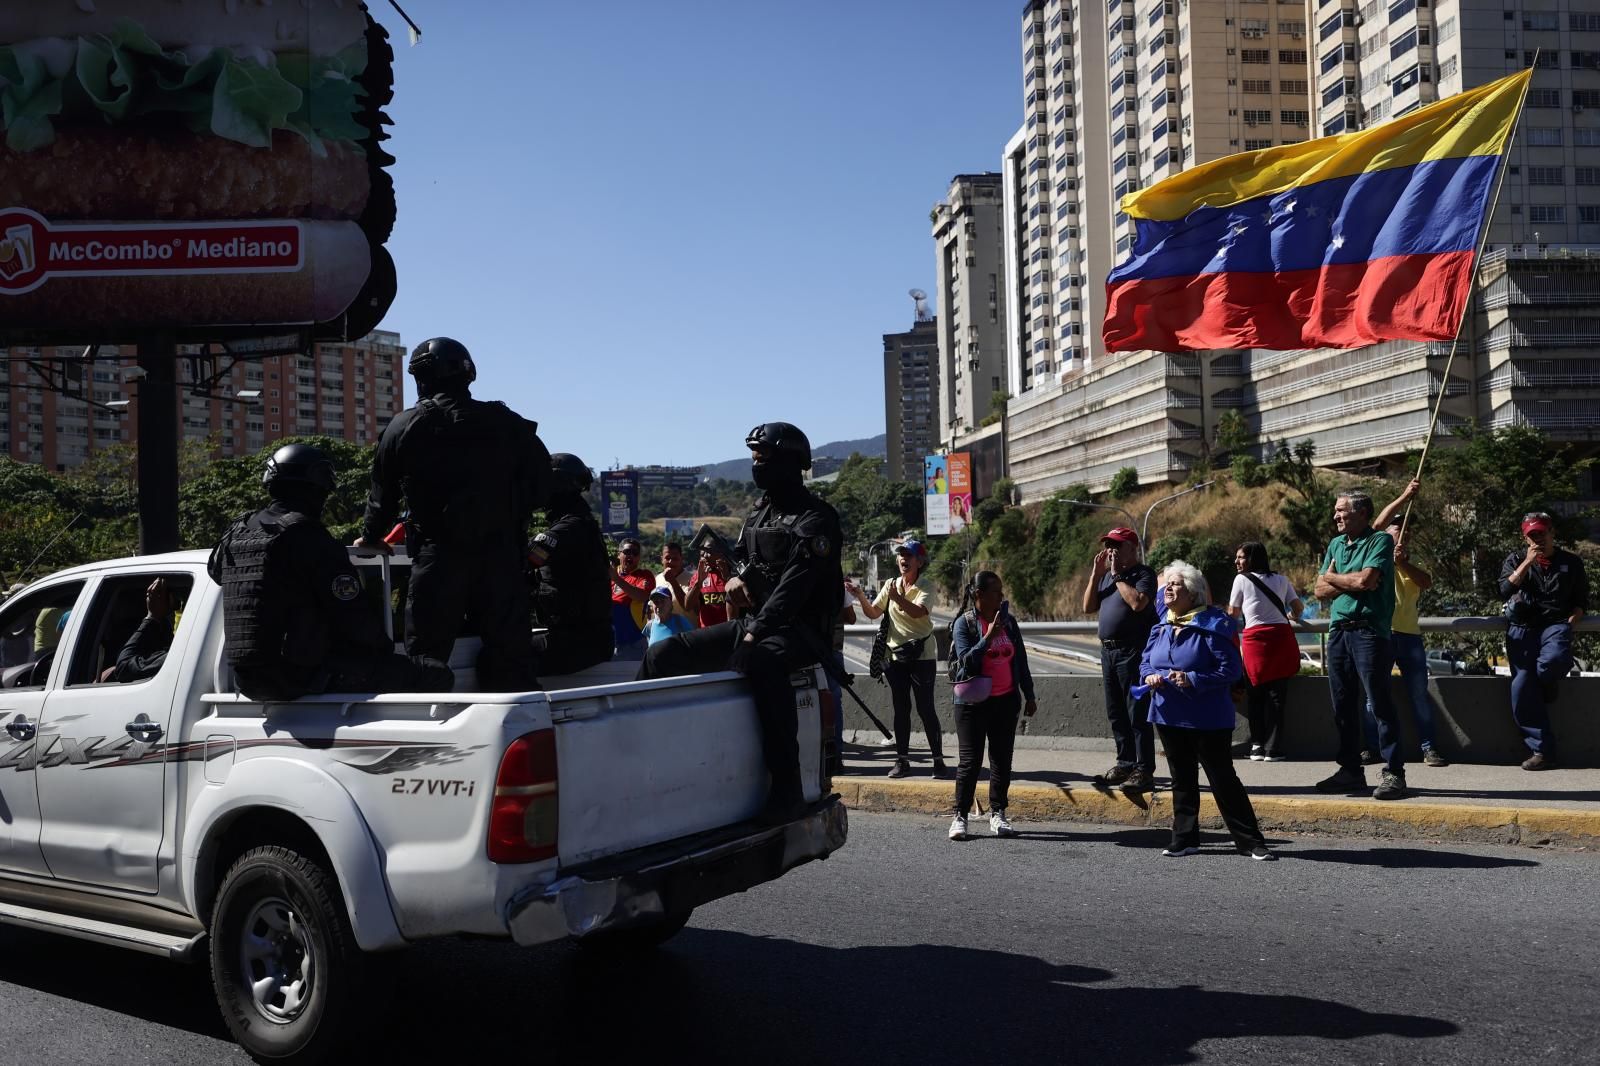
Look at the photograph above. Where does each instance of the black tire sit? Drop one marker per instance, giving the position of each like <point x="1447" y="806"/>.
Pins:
<point x="298" y="929"/>
<point x="637" y="939"/>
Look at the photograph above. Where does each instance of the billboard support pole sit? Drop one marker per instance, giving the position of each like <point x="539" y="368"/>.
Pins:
<point x="158" y="444"/>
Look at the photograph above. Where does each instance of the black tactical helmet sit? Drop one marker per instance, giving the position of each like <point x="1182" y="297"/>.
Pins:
<point x="571" y="474"/>
<point x="442" y="358"/>
<point x="785" y="440"/>
<point x="298" y="464"/>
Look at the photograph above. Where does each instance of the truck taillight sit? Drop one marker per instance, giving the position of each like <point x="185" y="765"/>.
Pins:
<point x="523" y="822"/>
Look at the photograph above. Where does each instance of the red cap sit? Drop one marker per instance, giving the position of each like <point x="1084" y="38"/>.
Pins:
<point x="1535" y="523"/>
<point x="1121" y="533"/>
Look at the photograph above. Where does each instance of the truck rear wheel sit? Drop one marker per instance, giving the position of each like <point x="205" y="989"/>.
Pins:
<point x="637" y="939"/>
<point x="284" y="961"/>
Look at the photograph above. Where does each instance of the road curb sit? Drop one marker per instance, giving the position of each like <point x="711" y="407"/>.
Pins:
<point x="1395" y="819"/>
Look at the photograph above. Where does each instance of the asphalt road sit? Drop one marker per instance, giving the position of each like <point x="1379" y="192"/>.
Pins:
<point x="1074" y="944"/>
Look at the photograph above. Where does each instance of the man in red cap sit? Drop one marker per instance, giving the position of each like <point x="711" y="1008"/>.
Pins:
<point x="1121" y="592"/>
<point x="1546" y="593"/>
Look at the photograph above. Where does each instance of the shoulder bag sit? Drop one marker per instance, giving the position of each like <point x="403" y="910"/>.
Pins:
<point x="1266" y="590"/>
<point x="880" y="650"/>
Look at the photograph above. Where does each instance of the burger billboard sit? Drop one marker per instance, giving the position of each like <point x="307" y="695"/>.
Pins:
<point x="209" y="168"/>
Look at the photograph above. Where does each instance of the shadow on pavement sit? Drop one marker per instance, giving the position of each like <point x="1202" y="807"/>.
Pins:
<point x="712" y="996"/>
<point x="1152" y="840"/>
<point x="143" y="987"/>
<point x="1407" y="858"/>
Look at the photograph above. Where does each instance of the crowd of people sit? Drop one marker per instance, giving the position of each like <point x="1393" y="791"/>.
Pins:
<point x="1172" y="658"/>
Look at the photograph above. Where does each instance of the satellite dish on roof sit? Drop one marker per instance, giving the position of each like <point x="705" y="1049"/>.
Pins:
<point x="923" y="314"/>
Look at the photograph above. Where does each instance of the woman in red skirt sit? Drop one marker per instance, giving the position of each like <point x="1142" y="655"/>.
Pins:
<point x="1265" y="603"/>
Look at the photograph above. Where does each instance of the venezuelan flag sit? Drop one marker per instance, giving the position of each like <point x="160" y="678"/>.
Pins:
<point x="1336" y="242"/>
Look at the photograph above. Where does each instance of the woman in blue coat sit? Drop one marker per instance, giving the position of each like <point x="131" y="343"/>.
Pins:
<point x="994" y="685"/>
<point x="1190" y="662"/>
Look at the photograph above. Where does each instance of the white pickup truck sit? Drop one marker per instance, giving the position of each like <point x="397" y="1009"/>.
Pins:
<point x="285" y="841"/>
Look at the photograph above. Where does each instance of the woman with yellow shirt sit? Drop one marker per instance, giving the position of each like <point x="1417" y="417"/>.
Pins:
<point x="1410" y="655"/>
<point x="913" y="654"/>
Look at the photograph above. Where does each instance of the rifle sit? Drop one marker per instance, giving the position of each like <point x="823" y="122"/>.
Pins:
<point x="709" y="540"/>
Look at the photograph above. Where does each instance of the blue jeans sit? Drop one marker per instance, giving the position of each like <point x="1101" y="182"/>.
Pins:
<point x="1412" y="657"/>
<point x="1359" y="661"/>
<point x="1540" y="656"/>
<point x="1131" y="730"/>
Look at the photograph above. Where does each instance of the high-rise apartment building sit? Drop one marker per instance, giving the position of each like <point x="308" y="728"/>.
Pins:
<point x="969" y="245"/>
<point x="1378" y="60"/>
<point x="910" y="398"/>
<point x="1526" y="353"/>
<point x="349" y="390"/>
<point x="1117" y="95"/>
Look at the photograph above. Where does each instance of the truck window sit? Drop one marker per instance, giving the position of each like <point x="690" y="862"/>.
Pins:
<point x="31" y="627"/>
<point x="115" y="645"/>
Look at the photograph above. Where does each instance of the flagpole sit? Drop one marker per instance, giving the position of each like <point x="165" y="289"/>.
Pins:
<point x="1472" y="287"/>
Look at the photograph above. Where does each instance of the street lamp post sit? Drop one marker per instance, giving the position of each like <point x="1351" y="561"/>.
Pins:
<point x="1144" y="530"/>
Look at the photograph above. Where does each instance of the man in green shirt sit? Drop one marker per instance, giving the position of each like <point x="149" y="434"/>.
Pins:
<point x="1357" y="583"/>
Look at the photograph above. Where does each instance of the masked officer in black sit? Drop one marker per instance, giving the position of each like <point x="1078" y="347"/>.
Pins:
<point x="787" y="566"/>
<point x="472" y="474"/>
<point x="572" y="596"/>
<point x="294" y="621"/>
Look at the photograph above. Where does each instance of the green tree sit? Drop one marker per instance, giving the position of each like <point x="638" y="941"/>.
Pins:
<point x="1247" y="471"/>
<point x="229" y="488"/>
<point x="1476" y="488"/>
<point x="1213" y="558"/>
<point x="871" y="507"/>
<point x="1308" y="513"/>
<point x="1232" y="435"/>
<point x="1124" y="483"/>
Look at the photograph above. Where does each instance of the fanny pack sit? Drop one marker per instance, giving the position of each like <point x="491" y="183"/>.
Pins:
<point x="974" y="689"/>
<point x="909" y="652"/>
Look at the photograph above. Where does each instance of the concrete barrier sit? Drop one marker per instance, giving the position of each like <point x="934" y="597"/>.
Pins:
<point x="1472" y="717"/>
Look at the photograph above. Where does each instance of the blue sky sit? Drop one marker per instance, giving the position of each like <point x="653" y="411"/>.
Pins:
<point x="658" y="224"/>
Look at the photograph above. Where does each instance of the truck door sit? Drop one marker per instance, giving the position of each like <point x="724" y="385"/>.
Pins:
<point x="31" y="628"/>
<point x="102" y="779"/>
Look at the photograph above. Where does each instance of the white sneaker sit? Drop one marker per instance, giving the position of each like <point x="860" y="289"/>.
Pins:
<point x="1258" y="754"/>
<point x="999" y="825"/>
<point x="958" y="827"/>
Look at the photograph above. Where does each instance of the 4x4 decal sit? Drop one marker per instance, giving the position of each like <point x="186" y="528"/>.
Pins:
<point x="99" y="753"/>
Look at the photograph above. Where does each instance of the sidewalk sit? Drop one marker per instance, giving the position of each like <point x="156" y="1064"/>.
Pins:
<point x="1460" y="802"/>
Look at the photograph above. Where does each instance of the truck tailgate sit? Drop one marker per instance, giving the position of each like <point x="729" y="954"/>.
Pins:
<point x="654" y="761"/>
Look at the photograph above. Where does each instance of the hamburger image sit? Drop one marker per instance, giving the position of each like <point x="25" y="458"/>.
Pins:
<point x="141" y="117"/>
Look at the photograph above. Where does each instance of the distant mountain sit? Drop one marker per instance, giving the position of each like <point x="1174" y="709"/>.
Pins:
<point x="739" y="469"/>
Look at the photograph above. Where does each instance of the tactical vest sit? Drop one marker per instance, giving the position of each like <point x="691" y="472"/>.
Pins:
<point x="768" y="542"/>
<point x="239" y="564"/>
<point x="456" y="460"/>
<point x="575" y="582"/>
